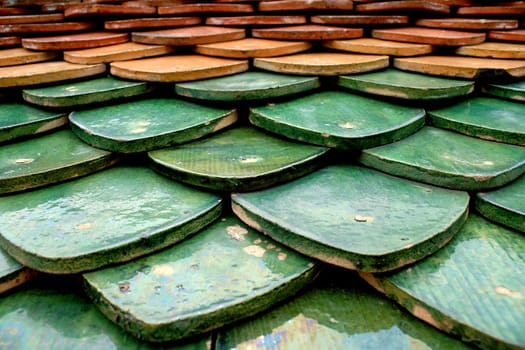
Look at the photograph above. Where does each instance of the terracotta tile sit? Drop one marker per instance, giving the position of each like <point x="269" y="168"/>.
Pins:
<point x="151" y="22"/>
<point x="455" y="2"/>
<point x="379" y="47"/>
<point x="462" y="67"/>
<point x="204" y="8"/>
<point x="468" y="23"/>
<point x="308" y="32"/>
<point x="255" y="20"/>
<point x="493" y="50"/>
<point x="509" y="35"/>
<point x="403" y="5"/>
<point x="118" y="52"/>
<point x="74" y="41"/>
<point x="46" y="27"/>
<point x="159" y="2"/>
<point x="292" y="5"/>
<point x="58" y="7"/>
<point x="491" y="10"/>
<point x="6" y="11"/>
<point x="322" y="63"/>
<point x="189" y="35"/>
<point x="46" y="72"/>
<point x="359" y="19"/>
<point x="40" y="18"/>
<point x="104" y="9"/>
<point x="177" y="68"/>
<point x="252" y="47"/>
<point x="10" y="41"/>
<point x="16" y="56"/>
<point x="429" y="36"/>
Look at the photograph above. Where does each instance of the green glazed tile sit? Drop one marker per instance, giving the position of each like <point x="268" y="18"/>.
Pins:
<point x="223" y="274"/>
<point x="240" y="159"/>
<point x="48" y="159"/>
<point x="54" y="314"/>
<point x="473" y="288"/>
<point x="18" y="120"/>
<point x="339" y="120"/>
<point x="340" y="312"/>
<point x="513" y="91"/>
<point x="449" y="159"/>
<point x="12" y="274"/>
<point x="487" y="118"/>
<point x="355" y="217"/>
<point x="247" y="86"/>
<point x="85" y="92"/>
<point x="405" y="85"/>
<point x="505" y="205"/>
<point x="145" y="125"/>
<point x="111" y="216"/>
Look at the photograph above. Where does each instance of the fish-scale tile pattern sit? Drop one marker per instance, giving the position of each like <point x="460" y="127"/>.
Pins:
<point x="361" y="80"/>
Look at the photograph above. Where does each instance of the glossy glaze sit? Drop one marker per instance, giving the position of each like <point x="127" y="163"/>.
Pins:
<point x="223" y="274"/>
<point x="148" y="124"/>
<point x="325" y="119"/>
<point x="101" y="219"/>
<point x="241" y="159"/>
<point x="355" y="217"/>
<point x="512" y="91"/>
<point x="448" y="159"/>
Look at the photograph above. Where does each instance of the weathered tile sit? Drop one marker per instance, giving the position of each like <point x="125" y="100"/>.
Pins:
<point x="325" y="119"/>
<point x="38" y="18"/>
<point x="48" y="159"/>
<point x="107" y="9"/>
<point x="74" y="41"/>
<point x="462" y="67"/>
<point x="308" y="32"/>
<point x="294" y="5"/>
<point x="405" y="85"/>
<point x="46" y="72"/>
<point x="359" y="19"/>
<point x="10" y="41"/>
<point x="487" y="118"/>
<point x="430" y="36"/>
<point x="449" y="159"/>
<point x="101" y="219"/>
<point x="145" y="23"/>
<point x="188" y="35"/>
<point x="403" y="5"/>
<point x="12" y="274"/>
<point x="255" y="20"/>
<point x="149" y="124"/>
<point x="57" y="315"/>
<point x="118" y="52"/>
<point x="379" y="47"/>
<point x="19" y="120"/>
<point x="505" y="205"/>
<point x="472" y="288"/>
<point x="223" y="274"/>
<point x="250" y="85"/>
<point x="493" y="50"/>
<point x="328" y="216"/>
<point x="177" y="68"/>
<point x="322" y="63"/>
<point x="85" y="92"/>
<point x="204" y="8"/>
<point x="513" y="91"/>
<point x="19" y="55"/>
<point x="37" y="28"/>
<point x="508" y="35"/>
<point x="252" y="47"/>
<point x="240" y="159"/>
<point x="468" y="23"/>
<point x="491" y="10"/>
<point x="339" y="312"/>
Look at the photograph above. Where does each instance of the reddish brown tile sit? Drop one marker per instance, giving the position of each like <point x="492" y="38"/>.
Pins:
<point x="40" y="18"/>
<point x="46" y="27"/>
<point x="189" y="35"/>
<point x="358" y="19"/>
<point x="292" y="5"/>
<point x="493" y="50"/>
<point x="204" y="8"/>
<point x="468" y="23"/>
<point x="255" y="20"/>
<point x="19" y="55"/>
<point x="104" y="9"/>
<point x="403" y="5"/>
<point x="491" y="10"/>
<point x="151" y="22"/>
<point x="429" y="36"/>
<point x="118" y="52"/>
<point x="379" y="47"/>
<point x="252" y="47"/>
<point x="10" y="41"/>
<point x="509" y="35"/>
<point x="308" y="32"/>
<point x="74" y="41"/>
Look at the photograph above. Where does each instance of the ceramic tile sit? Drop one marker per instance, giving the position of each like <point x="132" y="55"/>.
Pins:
<point x="146" y="23"/>
<point x="308" y="32"/>
<point x="117" y="52"/>
<point x="252" y="47"/>
<point x="429" y="36"/>
<point x="359" y="19"/>
<point x="188" y="35"/>
<point x="513" y="91"/>
<point x="204" y="8"/>
<point x="17" y="56"/>
<point x="75" y="41"/>
<point x="255" y="20"/>
<point x="379" y="47"/>
<point x="493" y="50"/>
